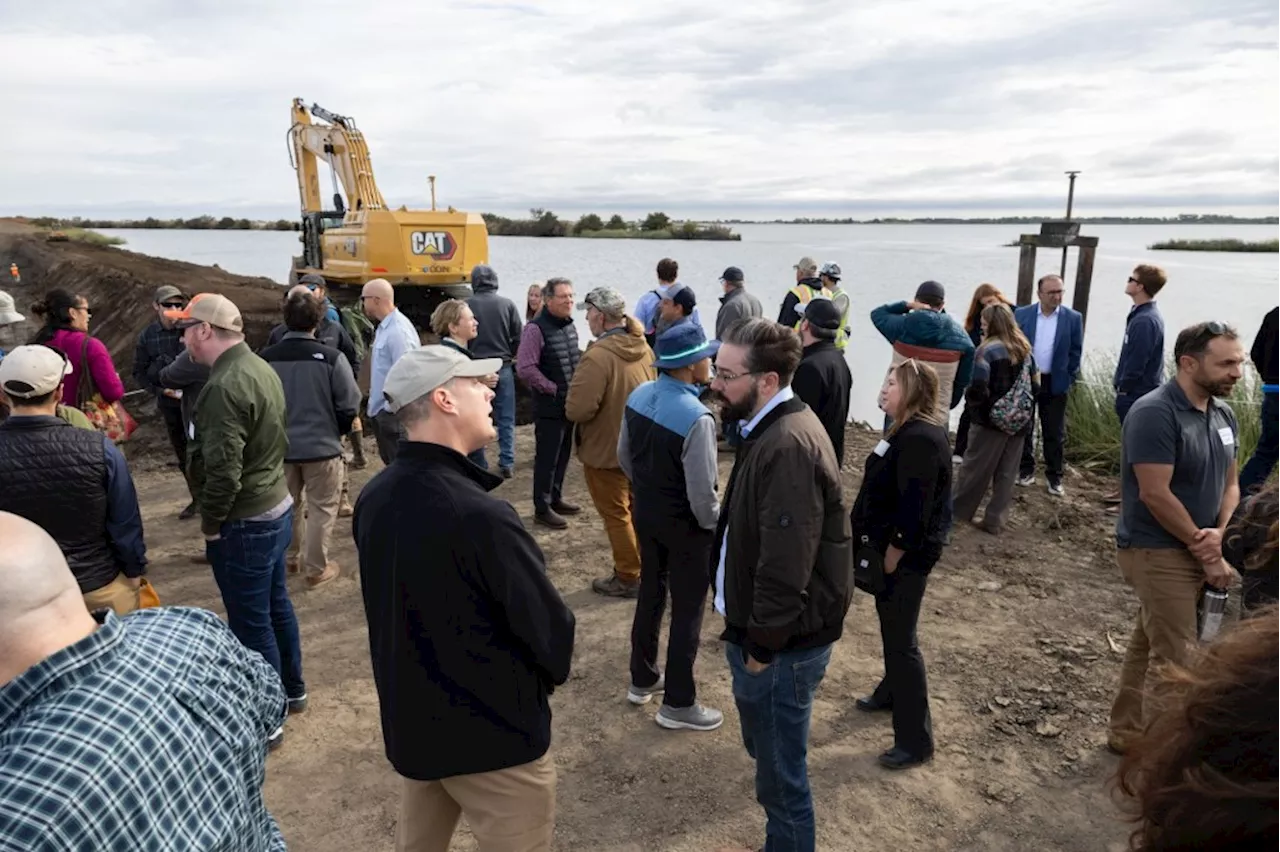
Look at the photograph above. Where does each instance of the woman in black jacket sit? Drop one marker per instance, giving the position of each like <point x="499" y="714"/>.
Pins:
<point x="991" y="459"/>
<point x="901" y="514"/>
<point x="984" y="297"/>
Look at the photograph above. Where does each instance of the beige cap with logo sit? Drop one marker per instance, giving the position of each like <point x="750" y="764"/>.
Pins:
<point x="213" y="308"/>
<point x="32" y="371"/>
<point x="420" y="371"/>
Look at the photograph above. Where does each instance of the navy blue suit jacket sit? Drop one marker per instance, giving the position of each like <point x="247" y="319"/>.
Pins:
<point x="1068" y="345"/>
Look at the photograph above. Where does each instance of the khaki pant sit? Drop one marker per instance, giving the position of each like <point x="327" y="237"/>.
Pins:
<point x="509" y="810"/>
<point x="321" y="483"/>
<point x="611" y="493"/>
<point x="991" y="458"/>
<point x="117" y="595"/>
<point x="1168" y="584"/>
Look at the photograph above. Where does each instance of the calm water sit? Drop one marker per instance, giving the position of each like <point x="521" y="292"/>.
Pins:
<point x="881" y="263"/>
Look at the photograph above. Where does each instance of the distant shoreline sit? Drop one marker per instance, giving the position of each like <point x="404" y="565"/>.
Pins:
<point x="1258" y="246"/>
<point x="228" y="223"/>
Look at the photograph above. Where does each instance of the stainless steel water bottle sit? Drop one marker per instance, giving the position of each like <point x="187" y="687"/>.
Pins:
<point x="1212" y="607"/>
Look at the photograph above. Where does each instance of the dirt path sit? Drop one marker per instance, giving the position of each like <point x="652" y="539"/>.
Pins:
<point x="1014" y="631"/>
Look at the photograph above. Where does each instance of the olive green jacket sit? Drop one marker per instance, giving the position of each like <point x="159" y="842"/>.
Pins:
<point x="236" y="454"/>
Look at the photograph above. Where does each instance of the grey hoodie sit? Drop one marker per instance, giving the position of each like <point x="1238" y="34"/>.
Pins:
<point x="498" y="319"/>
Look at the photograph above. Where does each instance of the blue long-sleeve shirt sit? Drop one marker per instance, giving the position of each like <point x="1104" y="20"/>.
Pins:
<point x="1140" y="368"/>
<point x="124" y="518"/>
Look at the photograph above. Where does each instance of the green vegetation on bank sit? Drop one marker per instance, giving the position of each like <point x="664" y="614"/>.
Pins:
<point x="1093" y="430"/>
<point x="197" y="223"/>
<point x="655" y="226"/>
<point x="93" y="238"/>
<point x="1217" y="245"/>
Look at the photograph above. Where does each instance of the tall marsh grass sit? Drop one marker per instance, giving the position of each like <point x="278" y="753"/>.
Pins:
<point x="1093" y="430"/>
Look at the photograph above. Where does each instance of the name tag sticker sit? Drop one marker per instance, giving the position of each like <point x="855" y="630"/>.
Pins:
<point x="191" y="431"/>
<point x="1225" y="434"/>
<point x="881" y="448"/>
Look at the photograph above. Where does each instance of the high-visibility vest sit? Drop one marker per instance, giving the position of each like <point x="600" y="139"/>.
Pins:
<point x="806" y="294"/>
<point x="841" y="298"/>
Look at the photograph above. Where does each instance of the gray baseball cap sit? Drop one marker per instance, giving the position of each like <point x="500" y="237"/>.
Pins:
<point x="420" y="371"/>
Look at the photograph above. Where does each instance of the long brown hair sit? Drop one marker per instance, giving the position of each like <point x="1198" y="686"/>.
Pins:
<point x="984" y="291"/>
<point x="1260" y="510"/>
<point x="1001" y="326"/>
<point x="1203" y="776"/>
<point x="918" y="386"/>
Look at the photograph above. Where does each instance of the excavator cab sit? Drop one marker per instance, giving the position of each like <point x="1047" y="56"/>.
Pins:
<point x="427" y="255"/>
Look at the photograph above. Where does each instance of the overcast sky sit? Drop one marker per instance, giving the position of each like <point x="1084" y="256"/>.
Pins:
<point x="773" y="107"/>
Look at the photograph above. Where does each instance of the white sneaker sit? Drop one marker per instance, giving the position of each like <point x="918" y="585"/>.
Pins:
<point x="1024" y="481"/>
<point x="1055" y="489"/>
<point x="695" y="718"/>
<point x="639" y="695"/>
<point x="957" y="459"/>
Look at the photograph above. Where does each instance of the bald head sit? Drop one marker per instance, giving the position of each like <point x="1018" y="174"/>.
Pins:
<point x="41" y="609"/>
<point x="378" y="298"/>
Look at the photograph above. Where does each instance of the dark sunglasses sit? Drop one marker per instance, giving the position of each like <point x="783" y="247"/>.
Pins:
<point x="173" y="305"/>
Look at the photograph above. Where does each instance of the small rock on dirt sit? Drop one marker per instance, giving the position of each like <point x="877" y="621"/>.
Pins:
<point x="990" y="586"/>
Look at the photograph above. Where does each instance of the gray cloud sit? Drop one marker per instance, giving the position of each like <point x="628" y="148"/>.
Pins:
<point x="908" y="104"/>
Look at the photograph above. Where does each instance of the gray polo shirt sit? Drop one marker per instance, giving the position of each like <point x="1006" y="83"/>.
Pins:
<point x="1163" y="427"/>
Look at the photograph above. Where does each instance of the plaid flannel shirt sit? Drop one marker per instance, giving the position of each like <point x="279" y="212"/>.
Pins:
<point x="157" y="348"/>
<point x="150" y="733"/>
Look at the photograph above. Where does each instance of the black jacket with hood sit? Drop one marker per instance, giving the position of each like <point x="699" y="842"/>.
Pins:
<point x="497" y="318"/>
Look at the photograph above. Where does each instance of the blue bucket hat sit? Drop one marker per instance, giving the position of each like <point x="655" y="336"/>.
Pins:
<point x="683" y="344"/>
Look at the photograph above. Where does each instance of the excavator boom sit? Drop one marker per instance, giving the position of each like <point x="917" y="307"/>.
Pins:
<point x="427" y="255"/>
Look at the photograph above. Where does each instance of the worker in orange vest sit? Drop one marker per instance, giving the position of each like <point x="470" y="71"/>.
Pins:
<point x="15" y="274"/>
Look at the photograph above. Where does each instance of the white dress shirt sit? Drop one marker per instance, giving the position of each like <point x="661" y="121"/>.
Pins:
<point x="1046" y="336"/>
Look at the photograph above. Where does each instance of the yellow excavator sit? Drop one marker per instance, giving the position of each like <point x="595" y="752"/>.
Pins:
<point x="427" y="255"/>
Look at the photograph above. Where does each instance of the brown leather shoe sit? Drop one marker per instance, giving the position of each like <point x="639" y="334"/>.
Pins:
<point x="566" y="508"/>
<point x="329" y="574"/>
<point x="613" y="587"/>
<point x="549" y="518"/>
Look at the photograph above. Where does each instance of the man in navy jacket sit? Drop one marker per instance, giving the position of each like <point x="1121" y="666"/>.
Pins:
<point x="1140" y="368"/>
<point x="1057" y="340"/>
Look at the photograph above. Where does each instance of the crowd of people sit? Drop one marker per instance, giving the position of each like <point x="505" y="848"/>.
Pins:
<point x="469" y="637"/>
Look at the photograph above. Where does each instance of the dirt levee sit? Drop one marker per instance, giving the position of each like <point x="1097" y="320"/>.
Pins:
<point x="119" y="286"/>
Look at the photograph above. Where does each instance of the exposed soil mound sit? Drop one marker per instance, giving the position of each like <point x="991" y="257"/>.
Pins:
<point x="119" y="285"/>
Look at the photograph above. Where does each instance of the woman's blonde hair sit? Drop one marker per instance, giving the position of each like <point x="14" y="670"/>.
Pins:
<point x="448" y="313"/>
<point x="1002" y="326"/>
<point x="918" y="386"/>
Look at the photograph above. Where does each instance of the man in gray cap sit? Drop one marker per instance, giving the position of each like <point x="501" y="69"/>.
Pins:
<point x="613" y="366"/>
<point x="465" y="628"/>
<point x="158" y="346"/>
<point x="808" y="285"/>
<point x="498" y="336"/>
<point x="736" y="303"/>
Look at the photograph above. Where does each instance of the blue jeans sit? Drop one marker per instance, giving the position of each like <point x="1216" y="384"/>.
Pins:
<point x="504" y="420"/>
<point x="774" y="708"/>
<point x="1263" y="460"/>
<point x="249" y="566"/>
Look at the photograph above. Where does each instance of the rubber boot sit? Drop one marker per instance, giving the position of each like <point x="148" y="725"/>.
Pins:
<point x="358" y="461"/>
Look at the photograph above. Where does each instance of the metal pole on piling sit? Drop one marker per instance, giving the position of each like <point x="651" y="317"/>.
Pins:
<point x="1071" y="196"/>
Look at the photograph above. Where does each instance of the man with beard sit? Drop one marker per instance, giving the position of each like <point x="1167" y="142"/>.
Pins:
<point x="1179" y="489"/>
<point x="782" y="566"/>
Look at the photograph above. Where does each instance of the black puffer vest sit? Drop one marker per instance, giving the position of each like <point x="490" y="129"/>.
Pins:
<point x="55" y="475"/>
<point x="560" y="356"/>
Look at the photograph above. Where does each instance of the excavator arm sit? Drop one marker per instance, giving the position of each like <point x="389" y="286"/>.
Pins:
<point x="339" y="144"/>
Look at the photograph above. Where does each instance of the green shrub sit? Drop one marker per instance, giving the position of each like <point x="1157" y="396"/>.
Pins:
<point x="1093" y="430"/>
<point x="1217" y="245"/>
